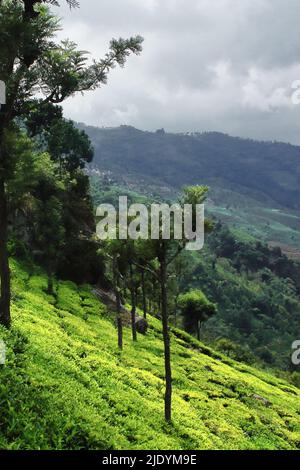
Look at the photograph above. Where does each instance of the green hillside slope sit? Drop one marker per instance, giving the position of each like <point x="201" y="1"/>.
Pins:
<point x="65" y="384"/>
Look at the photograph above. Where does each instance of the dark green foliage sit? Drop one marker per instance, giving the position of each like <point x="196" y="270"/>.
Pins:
<point x="258" y="307"/>
<point x="235" y="351"/>
<point x="51" y="212"/>
<point x="254" y="257"/>
<point x="196" y="309"/>
<point x="81" y="262"/>
<point x="67" y="145"/>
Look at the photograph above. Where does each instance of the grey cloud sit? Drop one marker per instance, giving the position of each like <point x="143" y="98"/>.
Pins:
<point x="220" y="65"/>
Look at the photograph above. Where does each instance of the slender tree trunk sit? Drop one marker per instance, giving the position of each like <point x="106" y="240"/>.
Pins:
<point x="119" y="324"/>
<point x="144" y="295"/>
<point x="133" y="304"/>
<point x="166" y="337"/>
<point x="123" y="293"/>
<point x="176" y="309"/>
<point x="118" y="304"/>
<point x="50" y="289"/>
<point x="199" y="324"/>
<point x="5" y="318"/>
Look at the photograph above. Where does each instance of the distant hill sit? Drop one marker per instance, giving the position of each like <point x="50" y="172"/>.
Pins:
<point x="266" y="172"/>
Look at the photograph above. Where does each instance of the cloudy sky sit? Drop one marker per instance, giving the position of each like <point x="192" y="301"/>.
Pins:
<point x="223" y="65"/>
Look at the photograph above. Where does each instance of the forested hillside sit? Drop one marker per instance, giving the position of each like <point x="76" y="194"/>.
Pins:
<point x="255" y="287"/>
<point x="267" y="172"/>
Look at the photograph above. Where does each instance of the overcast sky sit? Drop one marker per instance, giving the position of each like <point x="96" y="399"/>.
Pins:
<point x="222" y="65"/>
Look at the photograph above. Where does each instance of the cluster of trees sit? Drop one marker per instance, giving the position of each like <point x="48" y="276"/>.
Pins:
<point x="50" y="210"/>
<point x="253" y="257"/>
<point x="196" y="309"/>
<point x="31" y="63"/>
<point x="142" y="262"/>
<point x="257" y="292"/>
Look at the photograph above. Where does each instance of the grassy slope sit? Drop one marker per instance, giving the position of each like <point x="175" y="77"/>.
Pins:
<point x="65" y="385"/>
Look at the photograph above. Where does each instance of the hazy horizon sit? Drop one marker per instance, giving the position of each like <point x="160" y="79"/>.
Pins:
<point x="201" y="131"/>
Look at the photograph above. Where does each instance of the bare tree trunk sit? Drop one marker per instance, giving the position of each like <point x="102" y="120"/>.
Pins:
<point x="50" y="289"/>
<point x="5" y="318"/>
<point x="199" y="325"/>
<point x="166" y="337"/>
<point x="176" y="310"/>
<point x="116" y="276"/>
<point x="133" y="304"/>
<point x="119" y="324"/>
<point x="144" y="294"/>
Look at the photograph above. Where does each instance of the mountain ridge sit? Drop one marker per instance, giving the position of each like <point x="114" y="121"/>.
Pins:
<point x="264" y="171"/>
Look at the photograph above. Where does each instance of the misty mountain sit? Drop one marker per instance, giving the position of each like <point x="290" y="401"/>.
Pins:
<point x="268" y="172"/>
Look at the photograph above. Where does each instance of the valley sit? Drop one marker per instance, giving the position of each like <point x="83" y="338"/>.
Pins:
<point x="254" y="186"/>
